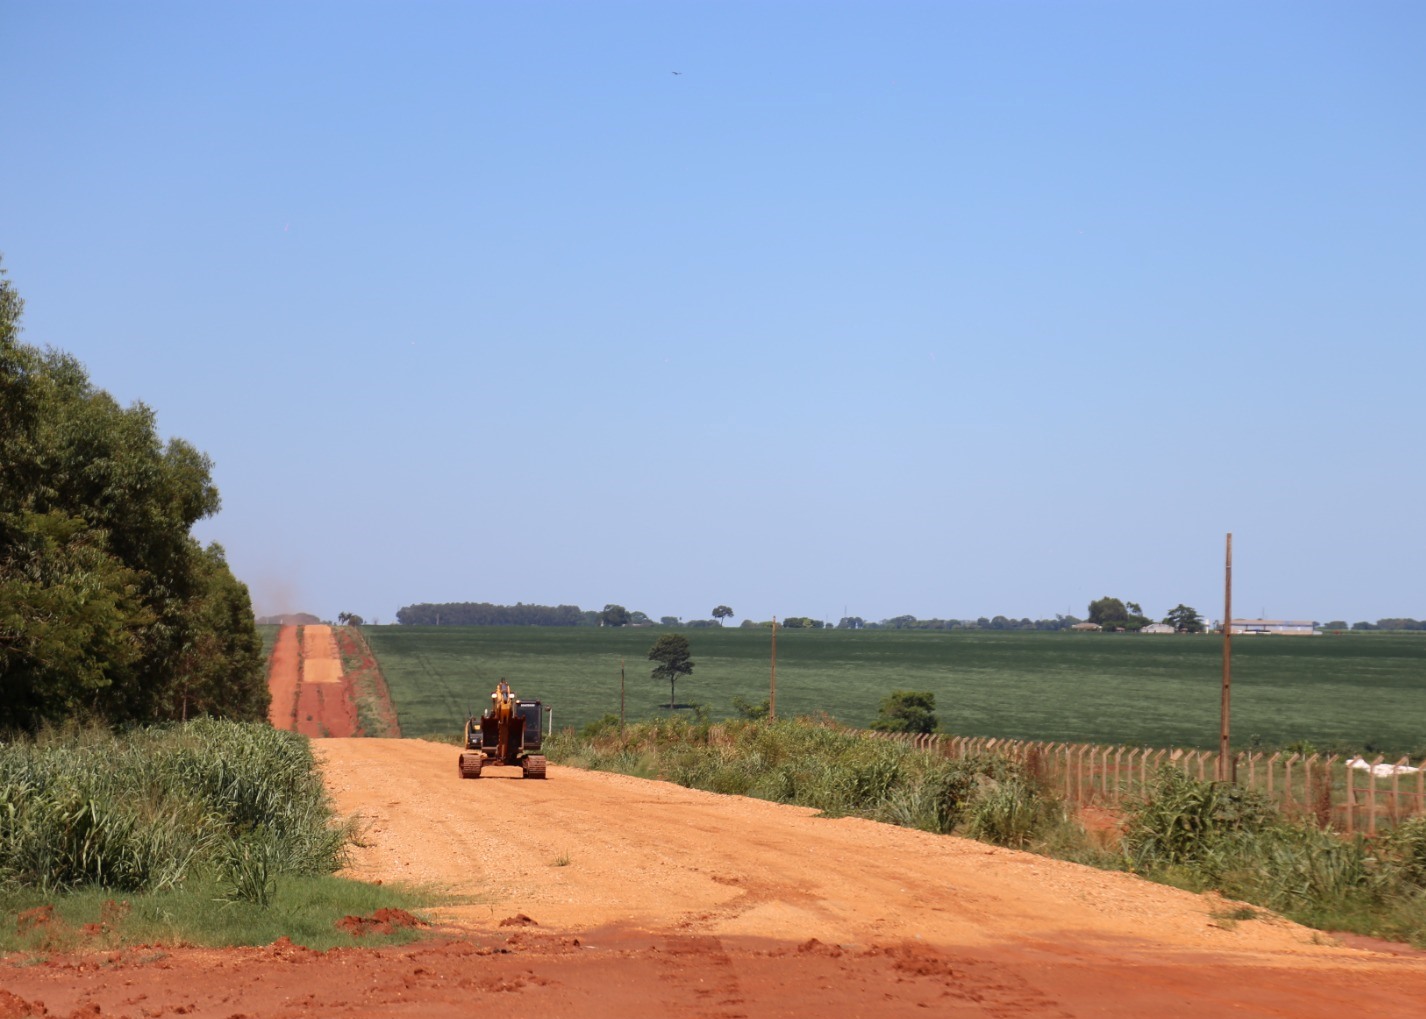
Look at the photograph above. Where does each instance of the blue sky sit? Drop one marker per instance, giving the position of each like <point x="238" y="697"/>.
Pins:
<point x="953" y="309"/>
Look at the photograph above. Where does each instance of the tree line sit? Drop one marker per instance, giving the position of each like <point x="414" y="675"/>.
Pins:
<point x="520" y="614"/>
<point x="1405" y="623"/>
<point x="109" y="608"/>
<point x="487" y="614"/>
<point x="1110" y="613"/>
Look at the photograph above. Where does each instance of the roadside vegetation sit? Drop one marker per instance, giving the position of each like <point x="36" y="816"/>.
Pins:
<point x="211" y="832"/>
<point x="375" y="714"/>
<point x="1196" y="835"/>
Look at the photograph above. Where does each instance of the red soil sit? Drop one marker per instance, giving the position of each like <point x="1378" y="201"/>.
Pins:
<point x="283" y="673"/>
<point x="310" y="693"/>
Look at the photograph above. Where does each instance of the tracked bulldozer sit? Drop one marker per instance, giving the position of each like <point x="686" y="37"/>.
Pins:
<point x="507" y="733"/>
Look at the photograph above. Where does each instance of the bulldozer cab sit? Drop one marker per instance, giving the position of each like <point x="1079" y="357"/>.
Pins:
<point x="530" y="711"/>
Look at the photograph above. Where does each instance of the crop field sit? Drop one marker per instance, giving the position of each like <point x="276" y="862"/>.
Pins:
<point x="1351" y="692"/>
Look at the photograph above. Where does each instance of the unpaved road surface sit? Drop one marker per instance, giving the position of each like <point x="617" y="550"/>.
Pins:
<point x="599" y="895"/>
<point x="310" y="694"/>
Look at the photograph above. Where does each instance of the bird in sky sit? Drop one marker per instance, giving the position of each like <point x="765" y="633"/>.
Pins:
<point x="675" y="72"/>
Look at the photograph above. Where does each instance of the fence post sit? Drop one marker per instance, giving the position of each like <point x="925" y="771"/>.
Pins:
<point x="1396" y="789"/>
<point x="1351" y="800"/>
<point x="1371" y="796"/>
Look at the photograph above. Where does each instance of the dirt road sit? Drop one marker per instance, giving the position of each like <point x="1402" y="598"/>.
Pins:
<point x="599" y="895"/>
<point x="310" y="694"/>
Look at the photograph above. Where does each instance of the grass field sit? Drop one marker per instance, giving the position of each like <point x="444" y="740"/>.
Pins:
<point x="1353" y="692"/>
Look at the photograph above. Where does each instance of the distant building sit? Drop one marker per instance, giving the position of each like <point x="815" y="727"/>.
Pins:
<point x="1086" y="627"/>
<point x="1288" y="627"/>
<point x="1158" y="628"/>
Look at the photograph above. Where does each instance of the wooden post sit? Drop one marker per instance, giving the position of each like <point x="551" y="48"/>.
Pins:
<point x="772" y="691"/>
<point x="1371" y="796"/>
<point x="1351" y="800"/>
<point x="1225" y="758"/>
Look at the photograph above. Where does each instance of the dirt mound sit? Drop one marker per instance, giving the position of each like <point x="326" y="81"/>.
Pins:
<point x="383" y="921"/>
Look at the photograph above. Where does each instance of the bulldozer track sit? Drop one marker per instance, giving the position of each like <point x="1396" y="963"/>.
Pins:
<point x="534" y="766"/>
<point x="470" y="765"/>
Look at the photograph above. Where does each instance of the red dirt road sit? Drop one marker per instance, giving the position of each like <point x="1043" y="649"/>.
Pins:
<point x="310" y="694"/>
<point x="645" y="899"/>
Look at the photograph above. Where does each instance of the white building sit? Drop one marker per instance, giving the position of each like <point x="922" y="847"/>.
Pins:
<point x="1289" y="627"/>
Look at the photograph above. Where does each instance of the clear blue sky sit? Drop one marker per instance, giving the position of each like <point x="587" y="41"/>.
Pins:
<point x="944" y="308"/>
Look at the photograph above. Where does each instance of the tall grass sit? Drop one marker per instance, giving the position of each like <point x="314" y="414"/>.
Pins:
<point x="144" y="810"/>
<point x="1211" y="835"/>
<point x="834" y="770"/>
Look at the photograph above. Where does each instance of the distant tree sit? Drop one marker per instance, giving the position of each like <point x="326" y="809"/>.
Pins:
<point x="1336" y="624"/>
<point x="1364" y="625"/>
<point x="637" y="618"/>
<point x="721" y="613"/>
<point x="748" y="624"/>
<point x="614" y="615"/>
<point x="907" y="711"/>
<point x="851" y="623"/>
<point x="801" y="623"/>
<point x="1108" y="612"/>
<point x="668" y="620"/>
<point x="1184" y="619"/>
<point x="671" y="655"/>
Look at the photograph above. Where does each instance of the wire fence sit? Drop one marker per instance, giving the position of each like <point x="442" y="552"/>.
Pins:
<point x="1348" y="794"/>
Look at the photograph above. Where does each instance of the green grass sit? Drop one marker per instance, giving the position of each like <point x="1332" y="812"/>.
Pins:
<point x="1347" y="692"/>
<point x="268" y="635"/>
<point x="304" y="909"/>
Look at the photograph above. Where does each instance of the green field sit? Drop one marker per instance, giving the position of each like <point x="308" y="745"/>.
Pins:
<point x="1353" y="692"/>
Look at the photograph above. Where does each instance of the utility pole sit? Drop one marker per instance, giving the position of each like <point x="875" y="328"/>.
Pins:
<point x="772" y="695"/>
<point x="1226" y="769"/>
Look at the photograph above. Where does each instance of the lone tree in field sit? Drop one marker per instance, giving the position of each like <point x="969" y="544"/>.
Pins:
<point x="1184" y="619"/>
<point x="721" y="613"/>
<point x="1108" y="612"/>
<point x="615" y="615"/>
<point x="671" y="653"/>
<point x="907" y="711"/>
